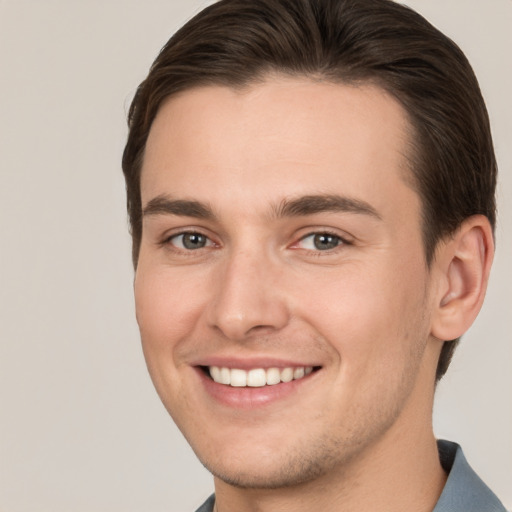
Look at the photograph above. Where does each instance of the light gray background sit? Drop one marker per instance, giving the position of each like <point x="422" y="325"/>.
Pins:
<point x="81" y="427"/>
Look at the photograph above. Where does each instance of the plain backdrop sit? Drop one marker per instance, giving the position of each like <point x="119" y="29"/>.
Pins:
<point x="81" y="428"/>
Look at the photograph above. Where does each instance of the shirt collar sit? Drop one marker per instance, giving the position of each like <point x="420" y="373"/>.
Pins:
<point x="464" y="491"/>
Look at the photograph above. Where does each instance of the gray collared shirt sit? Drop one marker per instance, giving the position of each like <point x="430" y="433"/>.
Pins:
<point x="464" y="490"/>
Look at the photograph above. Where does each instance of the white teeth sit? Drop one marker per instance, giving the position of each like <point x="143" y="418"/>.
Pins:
<point x="238" y="378"/>
<point x="257" y="377"/>
<point x="298" y="373"/>
<point x="287" y="374"/>
<point x="273" y="376"/>
<point x="215" y="373"/>
<point x="225" y="376"/>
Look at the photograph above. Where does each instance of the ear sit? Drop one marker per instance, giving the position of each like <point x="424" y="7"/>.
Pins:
<point x="463" y="263"/>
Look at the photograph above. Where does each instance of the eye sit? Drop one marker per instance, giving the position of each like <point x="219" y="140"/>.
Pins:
<point x="190" y="241"/>
<point x="320" y="242"/>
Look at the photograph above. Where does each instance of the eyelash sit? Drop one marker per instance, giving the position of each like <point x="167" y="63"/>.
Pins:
<point x="340" y="242"/>
<point x="169" y="240"/>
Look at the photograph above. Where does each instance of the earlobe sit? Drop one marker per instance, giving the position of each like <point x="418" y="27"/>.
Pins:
<point x="463" y="265"/>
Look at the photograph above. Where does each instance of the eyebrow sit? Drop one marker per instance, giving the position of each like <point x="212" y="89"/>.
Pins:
<point x="299" y="207"/>
<point x="164" y="205"/>
<point x="311" y="204"/>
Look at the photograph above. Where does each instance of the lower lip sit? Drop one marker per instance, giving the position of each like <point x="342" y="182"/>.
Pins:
<point x="248" y="397"/>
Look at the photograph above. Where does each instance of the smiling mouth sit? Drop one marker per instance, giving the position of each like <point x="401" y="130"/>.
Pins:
<point x="256" y="377"/>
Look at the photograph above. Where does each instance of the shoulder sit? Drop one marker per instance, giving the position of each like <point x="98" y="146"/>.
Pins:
<point x="464" y="490"/>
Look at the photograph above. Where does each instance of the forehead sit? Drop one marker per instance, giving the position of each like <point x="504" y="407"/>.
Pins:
<point x="285" y="136"/>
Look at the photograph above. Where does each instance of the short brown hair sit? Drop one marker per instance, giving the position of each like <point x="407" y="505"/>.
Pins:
<point x="238" y="42"/>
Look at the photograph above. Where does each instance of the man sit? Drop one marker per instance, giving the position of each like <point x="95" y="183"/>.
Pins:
<point x="311" y="196"/>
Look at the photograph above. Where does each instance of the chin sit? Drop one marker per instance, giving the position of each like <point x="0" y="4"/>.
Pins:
<point x="288" y="475"/>
<point x="274" y="470"/>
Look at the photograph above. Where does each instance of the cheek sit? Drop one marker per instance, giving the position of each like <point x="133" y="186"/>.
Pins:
<point x="345" y="300"/>
<point x="167" y="312"/>
<point x="369" y="315"/>
<point x="164" y="302"/>
<point x="165" y="315"/>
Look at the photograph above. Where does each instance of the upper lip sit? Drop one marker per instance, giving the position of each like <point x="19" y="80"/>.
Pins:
<point x="252" y="362"/>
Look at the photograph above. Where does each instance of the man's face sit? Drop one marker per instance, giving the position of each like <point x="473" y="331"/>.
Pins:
<point x="281" y="241"/>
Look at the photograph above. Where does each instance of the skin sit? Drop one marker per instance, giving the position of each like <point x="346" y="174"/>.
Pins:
<point x="366" y="313"/>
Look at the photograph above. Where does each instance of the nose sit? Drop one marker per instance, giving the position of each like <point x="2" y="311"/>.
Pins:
<point x="247" y="297"/>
